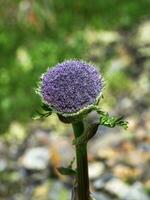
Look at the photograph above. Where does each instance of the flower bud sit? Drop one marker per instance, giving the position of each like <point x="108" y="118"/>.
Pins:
<point x="71" y="88"/>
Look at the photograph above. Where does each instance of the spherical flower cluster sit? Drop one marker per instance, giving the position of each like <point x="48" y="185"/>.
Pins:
<point x="71" y="87"/>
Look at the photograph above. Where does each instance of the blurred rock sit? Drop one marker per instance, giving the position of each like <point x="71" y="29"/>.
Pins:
<point x="108" y="154"/>
<point x="117" y="187"/>
<point x="39" y="137"/>
<point x="126" y="173"/>
<point x="3" y="164"/>
<point x="100" y="183"/>
<point x="101" y="196"/>
<point x="136" y="192"/>
<point x="136" y="157"/>
<point x="104" y="140"/>
<point x="16" y="132"/>
<point x="61" y="149"/>
<point x="117" y="65"/>
<point x="133" y="123"/>
<point x="143" y="34"/>
<point x="126" y="104"/>
<point x="142" y="85"/>
<point x="146" y="118"/>
<point x="124" y="191"/>
<point x="41" y="192"/>
<point x="147" y="184"/>
<point x="57" y="191"/>
<point x="144" y="147"/>
<point x="19" y="197"/>
<point x="144" y="51"/>
<point x="95" y="169"/>
<point x="105" y="37"/>
<point x="36" y="158"/>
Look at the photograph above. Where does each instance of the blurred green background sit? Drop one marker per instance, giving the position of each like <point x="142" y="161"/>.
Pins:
<point x="37" y="34"/>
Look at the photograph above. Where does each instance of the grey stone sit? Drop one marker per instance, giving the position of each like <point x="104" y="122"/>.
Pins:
<point x="95" y="169"/>
<point x="117" y="187"/>
<point x="124" y="191"/>
<point x="136" y="192"/>
<point x="101" y="196"/>
<point x="36" y="158"/>
<point x="143" y="34"/>
<point x="3" y="164"/>
<point x="57" y="190"/>
<point x="101" y="182"/>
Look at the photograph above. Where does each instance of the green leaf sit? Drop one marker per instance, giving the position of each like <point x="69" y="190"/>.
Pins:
<point x="67" y="171"/>
<point x="40" y="115"/>
<point x="71" y="163"/>
<point x="45" y="107"/>
<point x="111" y="121"/>
<point x="36" y="117"/>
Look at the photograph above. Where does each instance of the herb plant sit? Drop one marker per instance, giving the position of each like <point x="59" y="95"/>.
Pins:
<point x="72" y="90"/>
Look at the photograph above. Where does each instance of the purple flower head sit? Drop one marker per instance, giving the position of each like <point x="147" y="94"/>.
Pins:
<point x="71" y="86"/>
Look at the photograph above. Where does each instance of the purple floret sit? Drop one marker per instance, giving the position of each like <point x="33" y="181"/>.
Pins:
<point x="71" y="86"/>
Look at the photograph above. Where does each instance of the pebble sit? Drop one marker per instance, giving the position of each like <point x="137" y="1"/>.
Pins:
<point x="58" y="191"/>
<point x="61" y="148"/>
<point x="117" y="187"/>
<point x="104" y="141"/>
<point x="36" y="158"/>
<point x="95" y="169"/>
<point x="105" y="37"/>
<point x="3" y="164"/>
<point x="100" y="183"/>
<point x="101" y="196"/>
<point x="125" y="173"/>
<point x="136" y="192"/>
<point x="126" y="192"/>
<point x="143" y="33"/>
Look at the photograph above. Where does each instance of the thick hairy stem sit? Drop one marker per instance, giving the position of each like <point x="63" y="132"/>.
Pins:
<point x="82" y="164"/>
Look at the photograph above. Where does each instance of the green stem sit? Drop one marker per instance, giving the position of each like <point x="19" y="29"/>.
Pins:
<point x="82" y="164"/>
